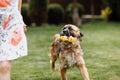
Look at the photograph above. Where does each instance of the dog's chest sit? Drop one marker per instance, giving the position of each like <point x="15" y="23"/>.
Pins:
<point x="67" y="58"/>
<point x="68" y="54"/>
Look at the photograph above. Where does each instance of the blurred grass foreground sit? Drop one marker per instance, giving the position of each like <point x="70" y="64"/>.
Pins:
<point x="101" y="45"/>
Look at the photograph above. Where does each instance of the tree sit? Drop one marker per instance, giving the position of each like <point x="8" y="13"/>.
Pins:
<point x="38" y="11"/>
<point x="75" y="14"/>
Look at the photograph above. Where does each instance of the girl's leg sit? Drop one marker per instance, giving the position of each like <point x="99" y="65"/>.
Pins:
<point x="5" y="68"/>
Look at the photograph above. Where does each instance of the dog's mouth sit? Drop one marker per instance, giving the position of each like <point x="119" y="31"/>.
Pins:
<point x="67" y="36"/>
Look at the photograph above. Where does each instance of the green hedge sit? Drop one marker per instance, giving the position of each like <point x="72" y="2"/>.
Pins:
<point x="38" y="11"/>
<point x="55" y="14"/>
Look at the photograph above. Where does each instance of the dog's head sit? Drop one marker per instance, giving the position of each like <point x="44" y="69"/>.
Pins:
<point x="71" y="30"/>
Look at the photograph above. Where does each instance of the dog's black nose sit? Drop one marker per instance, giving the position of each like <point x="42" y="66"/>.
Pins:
<point x="66" y="32"/>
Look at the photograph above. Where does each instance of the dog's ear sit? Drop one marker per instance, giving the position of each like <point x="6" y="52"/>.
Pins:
<point x="81" y="35"/>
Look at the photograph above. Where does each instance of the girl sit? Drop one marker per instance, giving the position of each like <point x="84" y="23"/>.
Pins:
<point x="13" y="42"/>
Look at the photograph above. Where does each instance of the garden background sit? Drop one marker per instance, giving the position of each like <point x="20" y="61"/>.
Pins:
<point x="101" y="40"/>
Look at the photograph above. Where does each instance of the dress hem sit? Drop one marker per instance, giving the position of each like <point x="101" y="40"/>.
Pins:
<point x="9" y="59"/>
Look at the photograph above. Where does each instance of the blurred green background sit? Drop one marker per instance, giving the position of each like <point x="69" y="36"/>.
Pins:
<point x="101" y="41"/>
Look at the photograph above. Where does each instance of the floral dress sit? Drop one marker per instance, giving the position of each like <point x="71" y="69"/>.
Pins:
<point x="13" y="42"/>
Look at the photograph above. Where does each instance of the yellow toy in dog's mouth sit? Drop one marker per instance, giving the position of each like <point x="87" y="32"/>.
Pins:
<point x="67" y="39"/>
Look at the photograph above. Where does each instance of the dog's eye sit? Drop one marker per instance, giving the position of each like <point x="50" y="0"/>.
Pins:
<point x="64" y="28"/>
<point x="70" y="28"/>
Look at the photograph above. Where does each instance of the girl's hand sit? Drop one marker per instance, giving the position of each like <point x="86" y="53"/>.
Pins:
<point x="25" y="29"/>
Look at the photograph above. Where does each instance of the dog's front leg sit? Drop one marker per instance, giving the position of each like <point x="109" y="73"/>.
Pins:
<point x="52" y="61"/>
<point x="83" y="69"/>
<point x="53" y="58"/>
<point x="63" y="73"/>
<point x="53" y="66"/>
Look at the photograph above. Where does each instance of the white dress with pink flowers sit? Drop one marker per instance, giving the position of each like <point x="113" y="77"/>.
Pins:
<point x="13" y="42"/>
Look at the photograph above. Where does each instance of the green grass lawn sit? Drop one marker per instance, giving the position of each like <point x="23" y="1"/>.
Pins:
<point x="101" y="45"/>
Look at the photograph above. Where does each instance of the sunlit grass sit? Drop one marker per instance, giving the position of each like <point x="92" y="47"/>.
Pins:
<point x="101" y="45"/>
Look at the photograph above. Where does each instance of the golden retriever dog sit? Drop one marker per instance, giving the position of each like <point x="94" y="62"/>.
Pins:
<point x="66" y="47"/>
